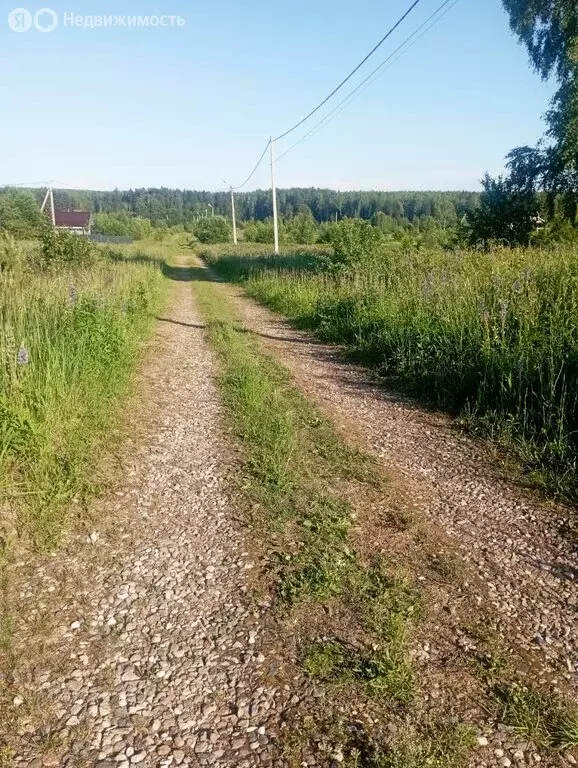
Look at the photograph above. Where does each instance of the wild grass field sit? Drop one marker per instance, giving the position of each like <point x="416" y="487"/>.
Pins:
<point x="490" y="336"/>
<point x="72" y="323"/>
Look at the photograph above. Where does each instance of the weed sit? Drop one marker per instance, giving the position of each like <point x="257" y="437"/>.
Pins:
<point x="388" y="599"/>
<point x="545" y="719"/>
<point x="440" y="744"/>
<point x="383" y="671"/>
<point x="6" y="757"/>
<point x="489" y="336"/>
<point x="69" y="341"/>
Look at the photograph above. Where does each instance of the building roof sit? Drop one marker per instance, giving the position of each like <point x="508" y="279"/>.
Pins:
<point x="79" y="219"/>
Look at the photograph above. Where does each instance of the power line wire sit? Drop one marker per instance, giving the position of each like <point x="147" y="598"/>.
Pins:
<point x="69" y="186"/>
<point x="28" y="184"/>
<point x="335" y="90"/>
<point x="254" y="171"/>
<point x="353" y="72"/>
<point x="373" y="76"/>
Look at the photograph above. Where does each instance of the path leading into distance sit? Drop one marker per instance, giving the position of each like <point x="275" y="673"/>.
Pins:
<point x="147" y="647"/>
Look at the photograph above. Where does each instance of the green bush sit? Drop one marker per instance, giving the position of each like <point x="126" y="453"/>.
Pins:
<point x="61" y="248"/>
<point x="355" y="242"/>
<point x="263" y="232"/>
<point x="214" y="229"/>
<point x="20" y="214"/>
<point x="122" y="225"/>
<point x="10" y="252"/>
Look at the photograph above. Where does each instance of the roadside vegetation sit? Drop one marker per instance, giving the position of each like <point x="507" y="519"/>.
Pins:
<point x="359" y="612"/>
<point x="488" y="335"/>
<point x="354" y="612"/>
<point x="72" y="321"/>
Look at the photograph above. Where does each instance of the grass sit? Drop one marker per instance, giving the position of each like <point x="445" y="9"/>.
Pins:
<point x="546" y="720"/>
<point x="292" y="458"/>
<point x="440" y="742"/>
<point x="383" y="672"/>
<point x="488" y="336"/>
<point x="358" y="613"/>
<point x="69" y="342"/>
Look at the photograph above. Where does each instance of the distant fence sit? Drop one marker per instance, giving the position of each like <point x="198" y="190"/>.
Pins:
<point x="112" y="239"/>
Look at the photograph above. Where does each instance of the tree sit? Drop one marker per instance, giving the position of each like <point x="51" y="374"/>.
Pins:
<point x="214" y="229"/>
<point x="549" y="30"/>
<point x="20" y="214"/>
<point x="303" y="229"/>
<point x="507" y="212"/>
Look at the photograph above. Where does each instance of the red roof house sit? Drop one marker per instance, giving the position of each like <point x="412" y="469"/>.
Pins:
<point x="75" y="221"/>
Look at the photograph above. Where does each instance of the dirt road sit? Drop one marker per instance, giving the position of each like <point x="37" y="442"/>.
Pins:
<point x="137" y="644"/>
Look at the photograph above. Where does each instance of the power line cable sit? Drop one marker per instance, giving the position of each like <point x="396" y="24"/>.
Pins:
<point x="28" y="184"/>
<point x="377" y="72"/>
<point x="69" y="186"/>
<point x="335" y="90"/>
<point x="254" y="171"/>
<point x="353" y="72"/>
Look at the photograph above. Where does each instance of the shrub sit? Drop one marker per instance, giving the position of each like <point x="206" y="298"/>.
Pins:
<point x="303" y="227"/>
<point x="355" y="242"/>
<point x="122" y="225"/>
<point x="20" y="214"/>
<point x="213" y="230"/>
<point x="61" y="248"/>
<point x="263" y="232"/>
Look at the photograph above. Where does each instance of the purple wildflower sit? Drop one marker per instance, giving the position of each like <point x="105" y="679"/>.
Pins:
<point x="72" y="294"/>
<point x="23" y="357"/>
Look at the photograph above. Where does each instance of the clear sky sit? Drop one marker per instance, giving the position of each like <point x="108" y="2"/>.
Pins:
<point x="190" y="106"/>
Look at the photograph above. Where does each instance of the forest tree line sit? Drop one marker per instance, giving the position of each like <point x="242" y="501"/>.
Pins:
<point x="175" y="207"/>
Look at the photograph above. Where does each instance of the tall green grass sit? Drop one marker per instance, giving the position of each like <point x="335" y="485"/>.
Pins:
<point x="69" y="340"/>
<point x="490" y="336"/>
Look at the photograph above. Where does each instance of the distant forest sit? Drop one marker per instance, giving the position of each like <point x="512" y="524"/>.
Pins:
<point x="173" y="207"/>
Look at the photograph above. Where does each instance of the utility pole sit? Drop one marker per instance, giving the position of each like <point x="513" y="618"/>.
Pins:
<point x="234" y="216"/>
<point x="52" y="207"/>
<point x="43" y="206"/>
<point x="274" y="191"/>
<point x="233" y="211"/>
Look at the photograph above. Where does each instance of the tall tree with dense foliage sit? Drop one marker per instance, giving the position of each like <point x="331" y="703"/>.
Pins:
<point x="549" y="30"/>
<point x="20" y="214"/>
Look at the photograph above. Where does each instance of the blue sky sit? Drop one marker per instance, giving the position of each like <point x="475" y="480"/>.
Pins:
<point x="190" y="106"/>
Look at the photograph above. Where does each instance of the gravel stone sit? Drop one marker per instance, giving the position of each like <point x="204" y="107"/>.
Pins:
<point x="164" y="596"/>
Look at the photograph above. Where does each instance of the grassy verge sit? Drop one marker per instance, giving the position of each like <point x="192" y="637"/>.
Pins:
<point x="490" y="337"/>
<point x="354" y="612"/>
<point x="69" y="341"/>
<point x="358" y="611"/>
